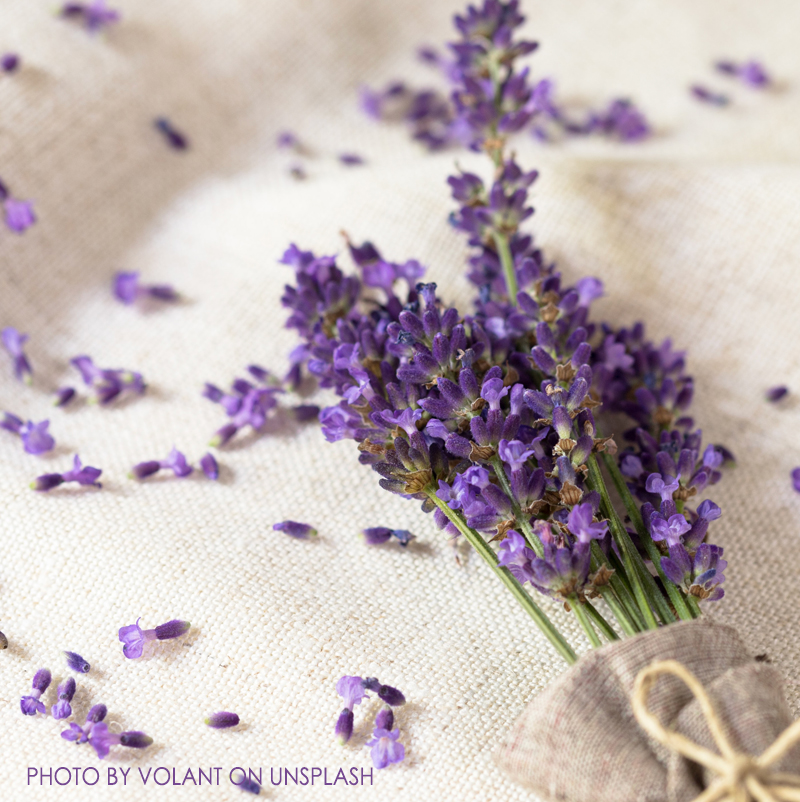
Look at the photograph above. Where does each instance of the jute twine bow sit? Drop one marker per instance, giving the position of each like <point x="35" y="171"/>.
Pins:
<point x="742" y="778"/>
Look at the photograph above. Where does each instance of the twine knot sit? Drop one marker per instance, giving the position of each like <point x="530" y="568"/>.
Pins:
<point x="742" y="778"/>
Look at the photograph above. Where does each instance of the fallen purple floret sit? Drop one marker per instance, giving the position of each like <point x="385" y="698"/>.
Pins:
<point x="95" y="15"/>
<point x="13" y="342"/>
<point x="210" y="466"/>
<point x="751" y="72"/>
<point x="775" y="394"/>
<point x="174" y="138"/>
<point x="351" y="159"/>
<point x="306" y="412"/>
<point x="77" y="663"/>
<point x="796" y="479"/>
<point x="222" y="720"/>
<point x="706" y="95"/>
<point x="288" y="139"/>
<point x="175" y="462"/>
<point x="108" y="383"/>
<point x="63" y="708"/>
<point x="102" y="739"/>
<point x="35" y="437"/>
<point x="82" y="475"/>
<point x="30" y="705"/>
<point x="134" y="638"/>
<point x="63" y="396"/>
<point x="127" y="288"/>
<point x="385" y="748"/>
<point x="294" y="529"/>
<point x="9" y="62"/>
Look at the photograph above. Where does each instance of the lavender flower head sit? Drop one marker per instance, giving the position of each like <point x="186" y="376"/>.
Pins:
<point x="62" y="708"/>
<point x="134" y="638"/>
<point x="295" y="529"/>
<point x="128" y="288"/>
<point x="30" y="705"/>
<point x="84" y="475"/>
<point x="13" y="342"/>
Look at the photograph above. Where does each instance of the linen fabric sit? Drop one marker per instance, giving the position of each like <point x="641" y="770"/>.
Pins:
<point x="693" y="231"/>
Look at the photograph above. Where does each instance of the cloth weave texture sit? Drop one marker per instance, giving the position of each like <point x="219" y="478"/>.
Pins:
<point x="694" y="231"/>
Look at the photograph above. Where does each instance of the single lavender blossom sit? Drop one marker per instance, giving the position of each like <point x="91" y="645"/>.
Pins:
<point x="63" y="396"/>
<point x="306" y="412"/>
<point x="385" y="748"/>
<point x="127" y="288"/>
<point x="82" y="475"/>
<point x="706" y="95"/>
<point x="102" y="740"/>
<point x="294" y="529"/>
<point x="30" y="705"/>
<point x="209" y="466"/>
<point x="751" y="72"/>
<point x="796" y="479"/>
<point x="35" y="437"/>
<point x="174" y="138"/>
<point x="13" y="342"/>
<point x="378" y="535"/>
<point x="775" y="394"/>
<point x="62" y="708"/>
<point x="344" y="726"/>
<point x="387" y="693"/>
<point x="108" y="383"/>
<point x="134" y="638"/>
<point x="19" y="214"/>
<point x="700" y="576"/>
<point x="80" y="734"/>
<point x="248" y="784"/>
<point x="175" y="462"/>
<point x="222" y="720"/>
<point x="77" y="663"/>
<point x="385" y="719"/>
<point x="9" y="62"/>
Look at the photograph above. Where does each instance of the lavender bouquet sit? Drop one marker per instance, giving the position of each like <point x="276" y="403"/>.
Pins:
<point x="503" y="421"/>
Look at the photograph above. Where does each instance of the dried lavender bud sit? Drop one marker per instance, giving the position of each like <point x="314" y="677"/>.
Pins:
<point x="134" y="638"/>
<point x="775" y="394"/>
<point x="77" y="663"/>
<point x="385" y="719"/>
<point x="94" y="15"/>
<point x="175" y="139"/>
<point x="175" y="462"/>
<point x="796" y="479"/>
<point x="306" y="412"/>
<point x="63" y="396"/>
<point x="351" y="159"/>
<point x="751" y="73"/>
<point x="62" y="708"/>
<point x="9" y="62"/>
<point x="706" y="95"/>
<point x="13" y="342"/>
<point x="82" y="475"/>
<point x="344" y="726"/>
<point x="209" y="466"/>
<point x="294" y="529"/>
<point x="35" y="437"/>
<point x="222" y="720"/>
<point x="127" y="289"/>
<point x="30" y="705"/>
<point x="102" y="740"/>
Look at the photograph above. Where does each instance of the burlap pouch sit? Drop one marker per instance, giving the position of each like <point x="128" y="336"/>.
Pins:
<point x="578" y="741"/>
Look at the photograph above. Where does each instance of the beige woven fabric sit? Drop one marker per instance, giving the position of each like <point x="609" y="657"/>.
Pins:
<point x="695" y="231"/>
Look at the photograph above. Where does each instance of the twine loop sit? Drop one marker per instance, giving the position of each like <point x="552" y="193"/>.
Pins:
<point x="741" y="778"/>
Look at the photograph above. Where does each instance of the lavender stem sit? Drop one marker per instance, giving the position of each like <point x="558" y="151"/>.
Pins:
<point x="583" y="618"/>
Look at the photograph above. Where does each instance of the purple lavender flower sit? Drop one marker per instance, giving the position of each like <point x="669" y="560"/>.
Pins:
<point x="63" y="396"/>
<point x="174" y="138"/>
<point x="83" y="475"/>
<point x="209" y="466"/>
<point x="127" y="288"/>
<point x="751" y="72"/>
<point x="296" y="530"/>
<point x="13" y="341"/>
<point x="669" y="530"/>
<point x="19" y="214"/>
<point x="378" y="535"/>
<point x="108" y="383"/>
<point x="80" y="734"/>
<point x="9" y="62"/>
<point x="175" y="462"/>
<point x="582" y="524"/>
<point x="656" y="485"/>
<point x="387" y="693"/>
<point x="514" y="453"/>
<point x="134" y="638"/>
<point x="95" y="15"/>
<point x="385" y="748"/>
<point x="351" y="159"/>
<point x="222" y="720"/>
<point x="351" y="689"/>
<point x="30" y="705"/>
<point x="385" y="719"/>
<point x="706" y="95"/>
<point x="102" y="740"/>
<point x="62" y="708"/>
<point x="77" y="663"/>
<point x="245" y="404"/>
<point x="35" y="437"/>
<point x="344" y="726"/>
<point x="796" y="479"/>
<point x="775" y="394"/>
<point x="700" y="577"/>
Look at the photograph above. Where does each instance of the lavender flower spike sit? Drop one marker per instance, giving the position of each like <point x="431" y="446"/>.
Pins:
<point x="30" y="705"/>
<point x="62" y="708"/>
<point x="385" y="748"/>
<point x="127" y="288"/>
<point x="13" y="342"/>
<point x="222" y="720"/>
<point x="294" y="529"/>
<point x="102" y="740"/>
<point x="82" y="475"/>
<point x="77" y="663"/>
<point x="133" y="637"/>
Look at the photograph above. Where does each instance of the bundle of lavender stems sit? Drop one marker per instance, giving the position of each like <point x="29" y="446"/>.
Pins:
<point x="499" y="421"/>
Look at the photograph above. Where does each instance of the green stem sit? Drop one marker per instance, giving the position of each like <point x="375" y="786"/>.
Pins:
<point x="623" y="595"/>
<point x="676" y="596"/>
<point x="643" y="600"/>
<point x="508" y="579"/>
<point x="600" y="622"/>
<point x="507" y="261"/>
<point x="580" y="614"/>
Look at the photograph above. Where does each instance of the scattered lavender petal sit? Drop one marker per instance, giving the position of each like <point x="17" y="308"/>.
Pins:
<point x="294" y="529"/>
